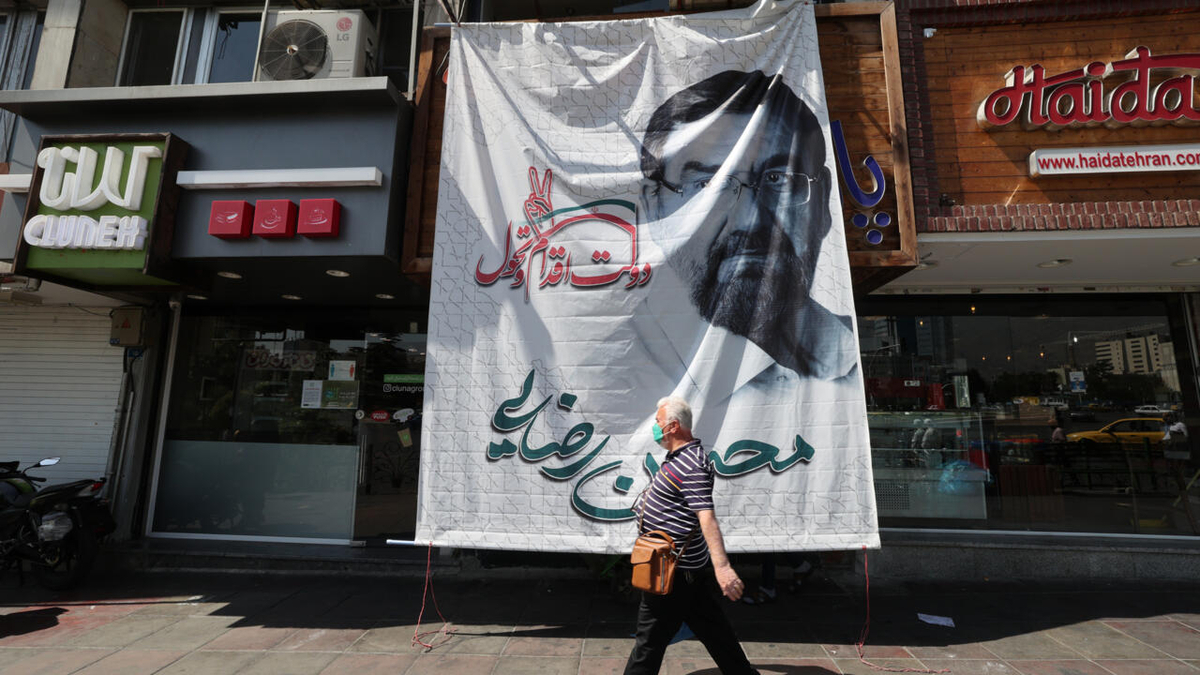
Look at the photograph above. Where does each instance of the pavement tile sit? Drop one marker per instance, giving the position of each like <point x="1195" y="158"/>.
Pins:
<point x="1172" y="637"/>
<point x="795" y="666"/>
<point x="607" y="647"/>
<point x="691" y="665"/>
<point x="249" y="603"/>
<point x="320" y="639"/>
<point x="543" y="646"/>
<point x="188" y="633"/>
<point x="609" y="639"/>
<point x="1035" y="645"/>
<point x="856" y="667"/>
<point x="870" y="651"/>
<point x="122" y="632"/>
<point x="396" y="639"/>
<point x="542" y="665"/>
<point x="992" y="666"/>
<point x="783" y="650"/>
<point x="1058" y="667"/>
<point x="55" y="661"/>
<point x="127" y="661"/>
<point x="452" y="664"/>
<point x="969" y="650"/>
<point x="478" y="639"/>
<point x="209" y="663"/>
<point x="45" y="626"/>
<point x="601" y="666"/>
<point x="1147" y="667"/>
<point x="296" y="663"/>
<point x="249" y="638"/>
<point x="192" y="605"/>
<point x="1095" y="639"/>
<point x="370" y="664"/>
<point x="11" y="655"/>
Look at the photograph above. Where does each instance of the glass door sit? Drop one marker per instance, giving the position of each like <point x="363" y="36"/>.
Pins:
<point x="389" y="434"/>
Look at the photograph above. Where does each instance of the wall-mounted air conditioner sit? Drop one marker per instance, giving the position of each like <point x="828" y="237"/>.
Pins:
<point x="314" y="44"/>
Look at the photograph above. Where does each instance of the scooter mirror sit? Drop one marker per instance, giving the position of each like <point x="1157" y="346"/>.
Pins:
<point x="49" y="461"/>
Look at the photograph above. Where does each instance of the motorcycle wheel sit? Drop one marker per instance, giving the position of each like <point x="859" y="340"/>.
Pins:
<point x="68" y="561"/>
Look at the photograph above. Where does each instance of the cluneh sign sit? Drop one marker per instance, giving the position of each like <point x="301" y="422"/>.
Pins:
<point x="101" y="210"/>
<point x="1079" y="97"/>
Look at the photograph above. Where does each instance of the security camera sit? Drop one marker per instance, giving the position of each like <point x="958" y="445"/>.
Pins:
<point x="174" y="304"/>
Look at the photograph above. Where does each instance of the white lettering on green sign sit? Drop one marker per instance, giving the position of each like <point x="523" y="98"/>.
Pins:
<point x="110" y="232"/>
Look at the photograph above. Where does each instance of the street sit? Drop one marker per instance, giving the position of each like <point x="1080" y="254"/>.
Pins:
<point x="175" y="623"/>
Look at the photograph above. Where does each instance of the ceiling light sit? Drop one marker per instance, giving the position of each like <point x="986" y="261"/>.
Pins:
<point x="337" y="273"/>
<point x="197" y="296"/>
<point x="1187" y="262"/>
<point x="229" y="275"/>
<point x="385" y="296"/>
<point x="1057" y="262"/>
<point x="291" y="297"/>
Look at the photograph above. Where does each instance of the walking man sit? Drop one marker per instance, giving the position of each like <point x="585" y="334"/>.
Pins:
<point x="679" y="501"/>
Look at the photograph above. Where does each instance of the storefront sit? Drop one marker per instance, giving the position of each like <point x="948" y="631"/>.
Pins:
<point x="1057" y="289"/>
<point x="265" y="225"/>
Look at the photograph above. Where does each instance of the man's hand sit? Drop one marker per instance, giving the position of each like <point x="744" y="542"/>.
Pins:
<point x="731" y="585"/>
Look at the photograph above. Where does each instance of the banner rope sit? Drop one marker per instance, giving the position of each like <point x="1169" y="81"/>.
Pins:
<point x="862" y="638"/>
<point x="428" y="592"/>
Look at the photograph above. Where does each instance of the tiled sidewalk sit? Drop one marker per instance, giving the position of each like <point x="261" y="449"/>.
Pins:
<point x="180" y="624"/>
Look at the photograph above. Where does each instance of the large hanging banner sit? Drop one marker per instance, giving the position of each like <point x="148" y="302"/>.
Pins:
<point x="630" y="210"/>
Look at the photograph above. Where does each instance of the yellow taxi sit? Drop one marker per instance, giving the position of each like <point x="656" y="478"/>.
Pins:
<point x="1134" y="430"/>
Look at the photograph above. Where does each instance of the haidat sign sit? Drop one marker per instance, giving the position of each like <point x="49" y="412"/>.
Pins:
<point x="98" y="209"/>
<point x="1152" y="90"/>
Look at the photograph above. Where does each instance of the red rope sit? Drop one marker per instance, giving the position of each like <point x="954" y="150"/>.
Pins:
<point x="428" y="592"/>
<point x="862" y="638"/>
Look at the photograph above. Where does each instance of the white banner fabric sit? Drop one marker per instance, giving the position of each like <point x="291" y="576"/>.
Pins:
<point x="629" y="210"/>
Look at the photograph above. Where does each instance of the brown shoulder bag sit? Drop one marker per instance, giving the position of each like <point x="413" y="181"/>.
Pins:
<point x="654" y="558"/>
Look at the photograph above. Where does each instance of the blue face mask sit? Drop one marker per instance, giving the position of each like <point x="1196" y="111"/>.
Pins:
<point x="658" y="433"/>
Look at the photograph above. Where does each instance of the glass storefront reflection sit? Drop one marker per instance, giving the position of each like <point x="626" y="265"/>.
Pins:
<point x="982" y="417"/>
<point x="293" y="426"/>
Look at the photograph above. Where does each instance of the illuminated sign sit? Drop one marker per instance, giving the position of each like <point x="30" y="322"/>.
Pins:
<point x="101" y="209"/>
<point x="1079" y="97"/>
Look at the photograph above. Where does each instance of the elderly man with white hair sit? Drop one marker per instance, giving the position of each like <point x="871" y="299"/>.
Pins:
<point x="679" y="501"/>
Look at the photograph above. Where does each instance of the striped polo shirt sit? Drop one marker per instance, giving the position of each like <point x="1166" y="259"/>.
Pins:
<point x="681" y="489"/>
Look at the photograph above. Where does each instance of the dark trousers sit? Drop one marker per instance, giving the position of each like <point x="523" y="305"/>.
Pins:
<point x="693" y="599"/>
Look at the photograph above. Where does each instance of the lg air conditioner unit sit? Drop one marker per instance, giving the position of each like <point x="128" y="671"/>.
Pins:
<point x="316" y="44"/>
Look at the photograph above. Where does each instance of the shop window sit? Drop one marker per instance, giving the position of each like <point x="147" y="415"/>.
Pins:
<point x="293" y="427"/>
<point x="1016" y="415"/>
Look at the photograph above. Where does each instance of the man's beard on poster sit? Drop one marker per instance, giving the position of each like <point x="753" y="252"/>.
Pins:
<point x="752" y="302"/>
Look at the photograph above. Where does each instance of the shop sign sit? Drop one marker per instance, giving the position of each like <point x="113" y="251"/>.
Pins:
<point x="261" y="359"/>
<point x="97" y="211"/>
<point x="1079" y="97"/>
<point x="1123" y="159"/>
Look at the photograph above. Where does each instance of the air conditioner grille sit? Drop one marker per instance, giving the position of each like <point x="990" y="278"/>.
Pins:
<point x="294" y="50"/>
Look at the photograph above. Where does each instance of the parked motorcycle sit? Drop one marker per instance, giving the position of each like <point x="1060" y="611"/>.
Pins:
<point x="55" y="530"/>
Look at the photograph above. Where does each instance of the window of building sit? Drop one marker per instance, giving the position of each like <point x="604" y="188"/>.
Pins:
<point x="1012" y="414"/>
<point x="20" y="37"/>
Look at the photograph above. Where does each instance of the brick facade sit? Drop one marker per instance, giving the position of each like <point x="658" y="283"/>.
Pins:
<point x="937" y="213"/>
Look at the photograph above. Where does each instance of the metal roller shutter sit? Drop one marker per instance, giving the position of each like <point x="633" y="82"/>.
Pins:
<point x="59" y="382"/>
